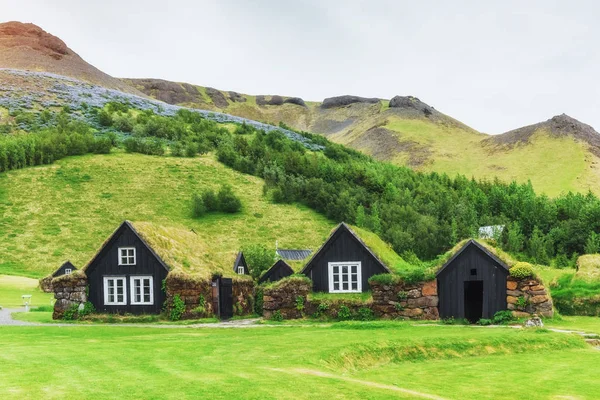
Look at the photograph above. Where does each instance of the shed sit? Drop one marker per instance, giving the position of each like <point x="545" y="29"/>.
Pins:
<point x="66" y="269"/>
<point x="472" y="283"/>
<point x="344" y="263"/>
<point x="240" y="266"/>
<point x="279" y="270"/>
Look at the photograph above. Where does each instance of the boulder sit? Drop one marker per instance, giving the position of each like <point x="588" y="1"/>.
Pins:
<point x="295" y="100"/>
<point x="236" y="97"/>
<point x="342" y="101"/>
<point x="511" y="285"/>
<point x="520" y="314"/>
<point x="511" y="299"/>
<point x="430" y="289"/>
<point x="410" y="102"/>
<point x="515" y="293"/>
<point x="217" y="97"/>
<point x="538" y="299"/>
<point x="414" y="293"/>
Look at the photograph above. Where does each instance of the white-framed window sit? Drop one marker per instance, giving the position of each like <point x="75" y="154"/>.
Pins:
<point x="115" y="290"/>
<point x="345" y="277"/>
<point x="126" y="255"/>
<point x="68" y="271"/>
<point x="240" y="269"/>
<point x="142" y="290"/>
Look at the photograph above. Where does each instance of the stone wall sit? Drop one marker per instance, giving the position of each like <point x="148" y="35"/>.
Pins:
<point x="243" y="297"/>
<point x="526" y="297"/>
<point x="400" y="300"/>
<point x="190" y="289"/>
<point x="283" y="297"/>
<point x="69" y="290"/>
<point x="46" y="284"/>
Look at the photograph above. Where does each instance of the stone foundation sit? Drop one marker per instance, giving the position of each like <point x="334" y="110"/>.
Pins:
<point x="190" y="290"/>
<point x="526" y="297"/>
<point x="243" y="297"/>
<point x="283" y="297"/>
<point x="399" y="300"/>
<point x="69" y="290"/>
<point x="46" y="284"/>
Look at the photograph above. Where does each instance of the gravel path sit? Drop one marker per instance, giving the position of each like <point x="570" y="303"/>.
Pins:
<point x="6" y="318"/>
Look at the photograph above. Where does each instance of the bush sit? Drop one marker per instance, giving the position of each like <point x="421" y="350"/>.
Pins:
<point x="88" y="308"/>
<point x="344" y="313"/>
<point x="503" y="317"/>
<point x="300" y="303"/>
<point x="228" y="201"/>
<point x="258" y="301"/>
<point x="484" y="322"/>
<point x="70" y="314"/>
<point x="198" y="206"/>
<point x="191" y="150"/>
<point x="177" y="149"/>
<point x="322" y="309"/>
<point x="177" y="308"/>
<point x="210" y="200"/>
<point x="259" y="259"/>
<point x="277" y="316"/>
<point x="522" y="270"/>
<point x="365" y="314"/>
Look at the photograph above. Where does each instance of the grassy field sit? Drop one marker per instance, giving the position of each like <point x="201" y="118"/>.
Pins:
<point x="377" y="360"/>
<point x="66" y="210"/>
<point x="12" y="287"/>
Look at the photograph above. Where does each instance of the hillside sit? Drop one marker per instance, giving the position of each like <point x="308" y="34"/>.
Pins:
<point x="29" y="47"/>
<point x="558" y="155"/>
<point x="66" y="210"/>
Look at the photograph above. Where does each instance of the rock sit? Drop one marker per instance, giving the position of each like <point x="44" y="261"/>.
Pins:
<point x="511" y="285"/>
<point x="537" y="287"/>
<point x="276" y="101"/>
<point x="410" y="102"/>
<point x="430" y="289"/>
<point x="411" y="312"/>
<point x="217" y="97"/>
<point x="414" y="293"/>
<point x="79" y="297"/>
<point x="342" y="101"/>
<point x="236" y="97"/>
<point x="511" y="299"/>
<point x="537" y="292"/>
<point x="295" y="100"/>
<point x="511" y="307"/>
<point x="534" y="321"/>
<point x="538" y="299"/>
<point x="520" y="314"/>
<point x="515" y="293"/>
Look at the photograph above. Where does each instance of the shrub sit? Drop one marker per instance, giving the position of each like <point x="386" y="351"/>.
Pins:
<point x="177" y="149"/>
<point x="300" y="303"/>
<point x="277" y="316"/>
<point x="522" y="270"/>
<point x="228" y="201"/>
<point x="365" y="314"/>
<point x="191" y="150"/>
<point x="102" y="145"/>
<point x="177" y="308"/>
<point x="88" y="308"/>
<point x="503" y="317"/>
<point x="322" y="309"/>
<point x="210" y="200"/>
<point x="402" y="295"/>
<point x="398" y="307"/>
<point x="70" y="314"/>
<point x="198" y="206"/>
<point x="344" y="313"/>
<point x="259" y="259"/>
<point x="522" y="302"/>
<point x="258" y="301"/>
<point x="484" y="322"/>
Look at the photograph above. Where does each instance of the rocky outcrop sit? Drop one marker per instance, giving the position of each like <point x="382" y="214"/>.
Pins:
<point x="217" y="97"/>
<point x="70" y="291"/>
<point x="342" y="101"/>
<point x="236" y="97"/>
<point x="526" y="297"/>
<point x="285" y="296"/>
<point x="295" y="100"/>
<point x="169" y="92"/>
<point x="413" y="301"/>
<point x="411" y="103"/>
<point x="269" y="100"/>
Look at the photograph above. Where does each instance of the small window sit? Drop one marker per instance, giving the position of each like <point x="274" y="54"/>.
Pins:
<point x="240" y="269"/>
<point x="345" y="277"/>
<point x="142" y="290"/>
<point x="474" y="272"/>
<point x="126" y="255"/>
<point x="115" y="291"/>
<point x="68" y="271"/>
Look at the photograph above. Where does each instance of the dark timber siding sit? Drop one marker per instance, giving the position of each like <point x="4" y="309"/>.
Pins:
<point x="342" y="246"/>
<point x="451" y="283"/>
<point x="278" y="271"/>
<point x="106" y="264"/>
<point x="61" y="270"/>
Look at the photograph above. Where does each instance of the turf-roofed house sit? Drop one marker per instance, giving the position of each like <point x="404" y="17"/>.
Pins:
<point x="345" y="262"/>
<point x="67" y="268"/>
<point x="278" y="271"/>
<point x="143" y="268"/>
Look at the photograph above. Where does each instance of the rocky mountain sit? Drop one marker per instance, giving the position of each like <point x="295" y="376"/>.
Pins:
<point x="28" y="47"/>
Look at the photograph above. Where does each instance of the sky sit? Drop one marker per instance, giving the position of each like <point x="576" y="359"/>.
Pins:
<point x="494" y="65"/>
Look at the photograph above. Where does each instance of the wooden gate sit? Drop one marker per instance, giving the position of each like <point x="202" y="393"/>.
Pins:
<point x="225" y="298"/>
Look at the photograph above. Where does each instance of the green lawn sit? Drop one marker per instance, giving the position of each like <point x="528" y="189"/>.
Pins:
<point x="577" y="323"/>
<point x="343" y="361"/>
<point x="66" y="210"/>
<point x="13" y="287"/>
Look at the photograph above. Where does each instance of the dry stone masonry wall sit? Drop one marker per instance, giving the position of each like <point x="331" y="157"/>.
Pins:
<point x="526" y="297"/>
<point x="416" y="301"/>
<point x="69" y="290"/>
<point x="283" y="297"/>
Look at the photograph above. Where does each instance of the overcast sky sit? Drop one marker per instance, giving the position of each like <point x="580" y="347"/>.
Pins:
<point x="494" y="67"/>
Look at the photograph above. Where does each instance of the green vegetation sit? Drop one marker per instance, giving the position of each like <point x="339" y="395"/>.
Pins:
<point x="259" y="258"/>
<point x="13" y="287"/>
<point x="224" y="201"/>
<point x="522" y="270"/>
<point x="86" y="198"/>
<point x="352" y="359"/>
<point x="355" y="297"/>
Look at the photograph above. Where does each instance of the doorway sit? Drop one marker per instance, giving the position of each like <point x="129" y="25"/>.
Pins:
<point x="473" y="300"/>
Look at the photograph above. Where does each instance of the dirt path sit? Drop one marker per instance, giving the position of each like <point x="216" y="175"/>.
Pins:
<point x="6" y="317"/>
<point x="376" y="385"/>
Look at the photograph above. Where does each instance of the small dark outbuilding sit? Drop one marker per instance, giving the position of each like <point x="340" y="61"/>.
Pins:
<point x="66" y="269"/>
<point x="472" y="284"/>
<point x="343" y="264"/>
<point x="240" y="266"/>
<point x="293" y="254"/>
<point x="278" y="271"/>
<point x="126" y="275"/>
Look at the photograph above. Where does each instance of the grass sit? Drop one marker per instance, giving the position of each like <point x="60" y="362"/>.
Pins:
<point x="86" y="198"/>
<point x="577" y="323"/>
<point x="12" y="287"/>
<point x="358" y="297"/>
<point x="344" y="361"/>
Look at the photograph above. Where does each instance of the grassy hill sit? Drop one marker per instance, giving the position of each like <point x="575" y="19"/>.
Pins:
<point x="66" y="210"/>
<point x="555" y="158"/>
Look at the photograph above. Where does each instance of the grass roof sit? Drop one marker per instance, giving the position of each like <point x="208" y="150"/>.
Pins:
<point x="588" y="267"/>
<point x="382" y="250"/>
<point x="502" y="255"/>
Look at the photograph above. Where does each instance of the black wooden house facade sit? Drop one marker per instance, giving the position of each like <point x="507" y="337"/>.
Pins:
<point x="343" y="264"/>
<point x="126" y="275"/>
<point x="472" y="284"/>
<point x="240" y="266"/>
<point x="66" y="269"/>
<point x="278" y="271"/>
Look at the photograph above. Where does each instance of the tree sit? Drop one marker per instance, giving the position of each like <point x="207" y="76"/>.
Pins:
<point x="198" y="207"/>
<point x="514" y="238"/>
<point x="259" y="259"/>
<point x="211" y="203"/>
<point x="537" y="247"/>
<point x="228" y="201"/>
<point x="592" y="244"/>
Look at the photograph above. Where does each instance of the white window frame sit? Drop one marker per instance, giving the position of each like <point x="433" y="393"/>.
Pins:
<point x="240" y="269"/>
<point x="121" y="257"/>
<point x="348" y="264"/>
<point x="68" y="271"/>
<point x="115" y="303"/>
<point x="132" y="291"/>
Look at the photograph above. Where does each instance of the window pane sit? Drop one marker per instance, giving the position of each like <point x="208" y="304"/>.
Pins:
<point x="147" y="298"/>
<point x="336" y="286"/>
<point x="345" y="269"/>
<point x="336" y="278"/>
<point x="345" y="285"/>
<point x="354" y="286"/>
<point x="345" y="278"/>
<point x="336" y="270"/>
<point x="354" y="277"/>
<point x="354" y="269"/>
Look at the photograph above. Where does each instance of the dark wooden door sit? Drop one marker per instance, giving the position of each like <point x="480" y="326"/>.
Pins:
<point x="473" y="300"/>
<point x="225" y="298"/>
